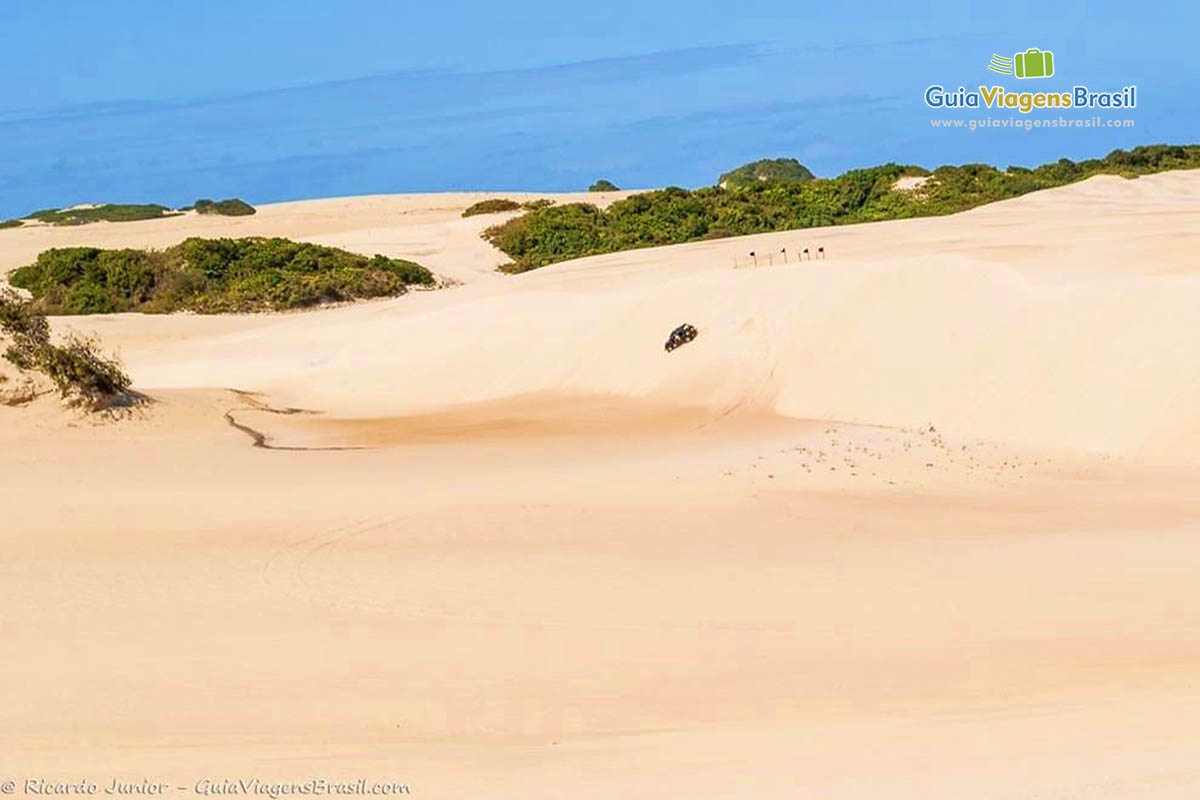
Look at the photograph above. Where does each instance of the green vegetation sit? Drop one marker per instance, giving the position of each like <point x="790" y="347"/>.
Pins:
<point x="673" y="215"/>
<point x="10" y="223"/>
<point x="76" y="367"/>
<point x="533" y="205"/>
<point x="603" y="186"/>
<point x="109" y="212"/>
<point x="233" y="207"/>
<point x="768" y="169"/>
<point x="493" y="206"/>
<point x="130" y="212"/>
<point x="210" y="276"/>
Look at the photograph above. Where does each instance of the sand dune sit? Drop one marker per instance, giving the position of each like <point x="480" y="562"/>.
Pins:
<point x="917" y="521"/>
<point x="905" y="324"/>
<point x="427" y="228"/>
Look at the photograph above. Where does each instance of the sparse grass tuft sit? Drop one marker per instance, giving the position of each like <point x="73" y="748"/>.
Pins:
<point x="80" y="372"/>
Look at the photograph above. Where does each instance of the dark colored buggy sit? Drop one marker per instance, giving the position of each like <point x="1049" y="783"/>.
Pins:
<point x="680" y="336"/>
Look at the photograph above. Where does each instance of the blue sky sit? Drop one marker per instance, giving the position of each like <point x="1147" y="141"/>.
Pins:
<point x="168" y="101"/>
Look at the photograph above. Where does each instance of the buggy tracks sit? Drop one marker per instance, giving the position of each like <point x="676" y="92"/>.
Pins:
<point x="260" y="439"/>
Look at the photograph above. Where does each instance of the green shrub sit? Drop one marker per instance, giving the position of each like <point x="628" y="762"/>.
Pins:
<point x="10" y="223"/>
<point x="232" y="207"/>
<point x="109" y="212"/>
<point x="87" y="280"/>
<point x="671" y="216"/>
<point x="210" y="276"/>
<point x="768" y="169"/>
<point x="493" y="206"/>
<point x="533" y="205"/>
<point x="77" y="368"/>
<point x="603" y="185"/>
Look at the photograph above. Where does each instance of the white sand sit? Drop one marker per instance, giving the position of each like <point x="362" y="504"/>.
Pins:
<point x="910" y="183"/>
<point x="566" y="564"/>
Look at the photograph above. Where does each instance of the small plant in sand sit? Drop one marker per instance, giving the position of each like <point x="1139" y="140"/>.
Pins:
<point x="496" y="205"/>
<point x="77" y="368"/>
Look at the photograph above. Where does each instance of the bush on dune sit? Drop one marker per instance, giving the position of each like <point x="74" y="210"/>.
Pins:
<point x="211" y="276"/>
<point x="108" y="212"/>
<point x="767" y="169"/>
<point x="78" y="369"/>
<point x="760" y="205"/>
<point x="233" y="207"/>
<point x="495" y="205"/>
<point x="131" y="212"/>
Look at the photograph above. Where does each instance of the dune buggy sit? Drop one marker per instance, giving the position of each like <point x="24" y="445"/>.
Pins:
<point x="680" y="336"/>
